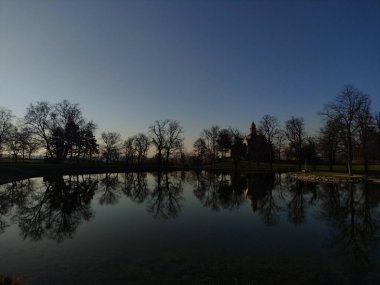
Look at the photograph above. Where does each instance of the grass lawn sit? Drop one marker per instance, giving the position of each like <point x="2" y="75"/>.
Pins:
<point x="11" y="170"/>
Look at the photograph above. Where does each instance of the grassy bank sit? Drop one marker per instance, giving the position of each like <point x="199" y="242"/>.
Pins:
<point x="11" y="170"/>
<point x="20" y="170"/>
<point x="289" y="166"/>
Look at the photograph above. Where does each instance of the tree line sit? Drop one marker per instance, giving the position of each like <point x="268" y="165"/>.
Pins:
<point x="60" y="132"/>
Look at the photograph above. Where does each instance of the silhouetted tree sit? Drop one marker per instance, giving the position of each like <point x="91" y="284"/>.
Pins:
<point x="200" y="150"/>
<point x="157" y="133"/>
<point x="309" y="152"/>
<point x="329" y="141"/>
<point x="111" y="146"/>
<point x="166" y="137"/>
<point x="295" y="133"/>
<point x="210" y="136"/>
<point x="238" y="149"/>
<point x="365" y="129"/>
<point x="86" y="145"/>
<point x="129" y="150"/>
<point x="141" y="145"/>
<point x="279" y="141"/>
<point x="224" y="141"/>
<point x="377" y="138"/>
<point x="14" y="143"/>
<point x="6" y="126"/>
<point x="174" y="139"/>
<point x="26" y="141"/>
<point x="345" y="109"/>
<point x="269" y="128"/>
<point x="57" y="126"/>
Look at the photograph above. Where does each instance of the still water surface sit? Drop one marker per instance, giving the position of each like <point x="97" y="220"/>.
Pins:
<point x="189" y="228"/>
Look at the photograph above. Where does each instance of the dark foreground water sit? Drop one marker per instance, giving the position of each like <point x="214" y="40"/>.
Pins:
<point x="189" y="228"/>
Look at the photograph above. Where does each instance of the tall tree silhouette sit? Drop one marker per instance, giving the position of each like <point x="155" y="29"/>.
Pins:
<point x="200" y="150"/>
<point x="111" y="146"/>
<point x="224" y="141"/>
<point x="141" y="145"/>
<point x="5" y="126"/>
<point x="166" y="137"/>
<point x="329" y="141"/>
<point x="269" y="128"/>
<point x="58" y="127"/>
<point x="295" y="133"/>
<point x="345" y="109"/>
<point x="210" y="136"/>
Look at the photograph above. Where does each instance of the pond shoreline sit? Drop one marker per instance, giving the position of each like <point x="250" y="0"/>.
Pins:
<point x="14" y="172"/>
<point x="333" y="177"/>
<point x="18" y="171"/>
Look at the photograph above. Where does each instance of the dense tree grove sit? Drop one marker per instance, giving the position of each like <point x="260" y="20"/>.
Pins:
<point x="59" y="132"/>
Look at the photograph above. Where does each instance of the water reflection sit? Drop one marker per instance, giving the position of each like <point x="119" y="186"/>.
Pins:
<point x="352" y="211"/>
<point x="165" y="200"/>
<point x="56" y="211"/>
<point x="109" y="188"/>
<point x="135" y="186"/>
<point x="54" y="207"/>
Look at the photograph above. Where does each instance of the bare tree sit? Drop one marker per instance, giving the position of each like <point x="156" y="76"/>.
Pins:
<point x="6" y="126"/>
<point x="365" y="128"/>
<point x="174" y="139"/>
<point x="13" y="143"/>
<point x="38" y="119"/>
<point x="329" y="141"/>
<point x="279" y="141"/>
<point x="166" y="137"/>
<point x="211" y="136"/>
<point x="87" y="144"/>
<point x="111" y="146"/>
<point x="157" y="133"/>
<point x="269" y="128"/>
<point x="58" y="127"/>
<point x="141" y="145"/>
<point x="129" y="150"/>
<point x="224" y="141"/>
<point x="345" y="109"/>
<point x="200" y="150"/>
<point x="295" y="133"/>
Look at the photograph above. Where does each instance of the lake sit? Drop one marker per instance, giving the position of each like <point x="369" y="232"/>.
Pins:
<point x="189" y="228"/>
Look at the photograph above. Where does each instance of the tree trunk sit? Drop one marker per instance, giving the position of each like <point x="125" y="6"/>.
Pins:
<point x="365" y="156"/>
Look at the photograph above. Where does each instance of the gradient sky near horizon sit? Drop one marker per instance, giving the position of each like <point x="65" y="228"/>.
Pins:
<point x="128" y="63"/>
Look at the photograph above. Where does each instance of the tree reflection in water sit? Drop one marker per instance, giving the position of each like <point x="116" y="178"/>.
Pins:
<point x="11" y="195"/>
<point x="135" y="186"/>
<point x="109" y="187"/>
<point x="165" y="199"/>
<point x="353" y="213"/>
<point x="54" y="209"/>
<point x="225" y="191"/>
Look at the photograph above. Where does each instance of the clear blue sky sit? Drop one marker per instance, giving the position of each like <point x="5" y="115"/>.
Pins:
<point x="128" y="63"/>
